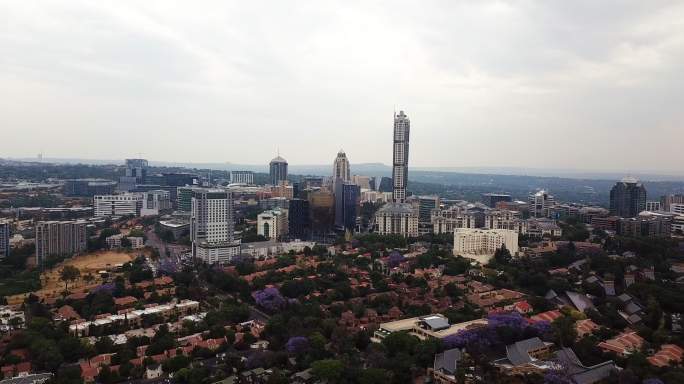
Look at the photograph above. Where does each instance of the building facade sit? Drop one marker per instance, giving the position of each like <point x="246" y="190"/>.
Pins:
<point x="5" y="236"/>
<point x="212" y="226"/>
<point x="278" y="170"/>
<point x="154" y="202"/>
<point x="136" y="172"/>
<point x="341" y="169"/>
<point x="399" y="217"/>
<point x="491" y="199"/>
<point x="59" y="238"/>
<point x="299" y="219"/>
<point x="400" y="156"/>
<point x="242" y="177"/>
<point x="272" y="224"/>
<point x="347" y="198"/>
<point x="481" y="244"/>
<point x="627" y="198"/>
<point x="125" y="204"/>
<point x="541" y="203"/>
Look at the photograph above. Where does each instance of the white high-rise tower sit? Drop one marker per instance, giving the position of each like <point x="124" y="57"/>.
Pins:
<point x="211" y="226"/>
<point x="341" y="171"/>
<point x="402" y="127"/>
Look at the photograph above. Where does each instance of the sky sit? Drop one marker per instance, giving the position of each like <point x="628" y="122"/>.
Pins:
<point x="593" y="85"/>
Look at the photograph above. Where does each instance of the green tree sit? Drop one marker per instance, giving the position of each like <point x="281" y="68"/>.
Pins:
<point x="67" y="274"/>
<point x="328" y="369"/>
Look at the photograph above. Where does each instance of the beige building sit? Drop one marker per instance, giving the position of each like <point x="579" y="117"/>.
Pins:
<point x="481" y="244"/>
<point x="397" y="219"/>
<point x="59" y="238"/>
<point x="272" y="224"/>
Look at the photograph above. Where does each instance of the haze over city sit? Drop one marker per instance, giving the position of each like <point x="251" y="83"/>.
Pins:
<point x="572" y="85"/>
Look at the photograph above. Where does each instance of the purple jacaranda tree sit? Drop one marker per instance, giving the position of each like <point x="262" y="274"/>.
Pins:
<point x="297" y="344"/>
<point x="556" y="377"/>
<point x="653" y="381"/>
<point x="269" y="299"/>
<point x="108" y="287"/>
<point x="395" y="258"/>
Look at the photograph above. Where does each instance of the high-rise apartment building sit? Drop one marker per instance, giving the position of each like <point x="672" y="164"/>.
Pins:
<point x="627" y="198"/>
<point x="184" y="198"/>
<point x="425" y="206"/>
<point x="541" y="203"/>
<point x="653" y="206"/>
<point x="125" y="204"/>
<point x="278" y="170"/>
<point x="347" y="198"/>
<point x="59" y="238"/>
<point x="242" y="177"/>
<point x="667" y="200"/>
<point x="4" y="239"/>
<point x="399" y="217"/>
<point x="402" y="127"/>
<point x="212" y="226"/>
<point x="299" y="219"/>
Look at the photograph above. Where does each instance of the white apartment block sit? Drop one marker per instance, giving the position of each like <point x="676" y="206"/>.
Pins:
<point x="59" y="238"/>
<point x="242" y="177"/>
<point x="677" y="208"/>
<point x="653" y="206"/>
<point x="397" y="219"/>
<point x="481" y="244"/>
<point x="272" y="224"/>
<point x="362" y="181"/>
<point x="450" y="219"/>
<point x="505" y="219"/>
<point x="125" y="204"/>
<point x="155" y="201"/>
<point x="212" y="226"/>
<point x="540" y="203"/>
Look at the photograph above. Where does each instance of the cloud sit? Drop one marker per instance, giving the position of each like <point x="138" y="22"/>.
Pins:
<point x="584" y="84"/>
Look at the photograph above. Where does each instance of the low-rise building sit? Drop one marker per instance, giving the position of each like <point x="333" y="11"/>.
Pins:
<point x="481" y="244"/>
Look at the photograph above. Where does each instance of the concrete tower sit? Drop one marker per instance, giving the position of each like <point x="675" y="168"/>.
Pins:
<point x="402" y="127"/>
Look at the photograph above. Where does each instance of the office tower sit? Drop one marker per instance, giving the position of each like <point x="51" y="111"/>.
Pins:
<point x="491" y="199"/>
<point x="136" y="172"/>
<point x="347" y="197"/>
<point x="341" y="172"/>
<point x="278" y="170"/>
<point x="402" y="127"/>
<point x="541" y="203"/>
<point x="4" y="239"/>
<point x="212" y="226"/>
<point x="667" y="200"/>
<point x="425" y="206"/>
<point x="155" y="201"/>
<point x="398" y="217"/>
<point x="313" y="182"/>
<point x="627" y="198"/>
<point x="179" y="179"/>
<point x="242" y="177"/>
<point x="125" y="204"/>
<point x="322" y="205"/>
<point x="184" y="198"/>
<point x="272" y="224"/>
<point x="385" y="184"/>
<point x="299" y="219"/>
<point x="372" y="184"/>
<point x="59" y="239"/>
<point x="88" y="187"/>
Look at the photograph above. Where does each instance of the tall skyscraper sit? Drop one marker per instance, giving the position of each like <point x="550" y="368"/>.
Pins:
<point x="299" y="219"/>
<point x="402" y="127"/>
<point x="347" y="197"/>
<point x="341" y="172"/>
<point x="627" y="198"/>
<point x="399" y="217"/>
<point x="59" y="238"/>
<point x="278" y="170"/>
<point x="4" y="239"/>
<point x="212" y="226"/>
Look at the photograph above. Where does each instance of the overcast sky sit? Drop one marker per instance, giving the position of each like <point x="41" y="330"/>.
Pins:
<point x="594" y="85"/>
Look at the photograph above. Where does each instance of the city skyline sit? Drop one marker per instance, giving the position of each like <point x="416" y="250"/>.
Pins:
<point x="481" y="81"/>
